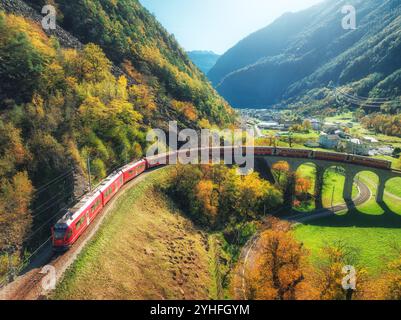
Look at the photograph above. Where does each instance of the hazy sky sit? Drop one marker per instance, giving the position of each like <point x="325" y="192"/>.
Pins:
<point x="218" y="24"/>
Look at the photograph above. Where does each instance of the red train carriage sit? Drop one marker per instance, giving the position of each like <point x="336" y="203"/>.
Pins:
<point x="157" y="161"/>
<point x="68" y="229"/>
<point x="132" y="170"/>
<point x="110" y="186"/>
<point x="293" y="153"/>
<point x="331" y="156"/>
<point x="264" y="151"/>
<point x="221" y="151"/>
<point x="369" y="162"/>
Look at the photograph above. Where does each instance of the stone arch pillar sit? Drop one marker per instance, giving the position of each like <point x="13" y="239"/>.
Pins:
<point x="349" y="183"/>
<point x="319" y="180"/>
<point x="381" y="188"/>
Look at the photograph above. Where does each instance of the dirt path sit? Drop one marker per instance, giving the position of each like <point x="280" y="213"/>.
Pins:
<point x="28" y="286"/>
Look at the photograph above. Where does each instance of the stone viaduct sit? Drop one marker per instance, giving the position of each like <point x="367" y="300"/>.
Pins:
<point x="265" y="163"/>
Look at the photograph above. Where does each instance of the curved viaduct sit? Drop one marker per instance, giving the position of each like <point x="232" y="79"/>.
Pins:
<point x="265" y="160"/>
<point x="351" y="171"/>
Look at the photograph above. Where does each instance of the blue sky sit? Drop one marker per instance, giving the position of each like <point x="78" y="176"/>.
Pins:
<point x="218" y="24"/>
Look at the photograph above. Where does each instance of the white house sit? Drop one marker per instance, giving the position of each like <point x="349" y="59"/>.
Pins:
<point x="356" y="146"/>
<point x="329" y="141"/>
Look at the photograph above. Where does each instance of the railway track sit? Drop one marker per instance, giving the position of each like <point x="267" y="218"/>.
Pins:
<point x="28" y="285"/>
<point x="246" y="255"/>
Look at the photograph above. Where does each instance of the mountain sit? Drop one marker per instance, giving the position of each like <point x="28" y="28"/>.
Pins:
<point x="298" y="59"/>
<point x="204" y="60"/>
<point x="85" y="93"/>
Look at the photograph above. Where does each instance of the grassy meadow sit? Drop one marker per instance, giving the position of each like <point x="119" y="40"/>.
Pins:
<point x="145" y="249"/>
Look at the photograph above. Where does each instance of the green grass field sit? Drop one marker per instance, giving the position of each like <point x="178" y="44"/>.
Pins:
<point x="371" y="228"/>
<point x="145" y="249"/>
<point x="373" y="236"/>
<point x="333" y="181"/>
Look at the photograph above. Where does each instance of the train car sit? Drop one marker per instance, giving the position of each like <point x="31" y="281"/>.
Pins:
<point x="264" y="151"/>
<point x="110" y="186"/>
<point x="330" y="156"/>
<point x="77" y="219"/>
<point x="293" y="153"/>
<point x="370" y="162"/>
<point x="157" y="160"/>
<point x="132" y="170"/>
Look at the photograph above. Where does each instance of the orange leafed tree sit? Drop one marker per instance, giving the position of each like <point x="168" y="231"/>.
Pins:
<point x="186" y="108"/>
<point x="330" y="273"/>
<point x="280" y="269"/>
<point x="206" y="195"/>
<point x="15" y="218"/>
<point x="303" y="185"/>
<point x="280" y="169"/>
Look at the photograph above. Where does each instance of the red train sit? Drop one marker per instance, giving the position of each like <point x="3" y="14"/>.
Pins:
<point x="331" y="156"/>
<point x="293" y="153"/>
<point x="369" y="162"/>
<point x="264" y="151"/>
<point x="69" y="228"/>
<point x="327" y="156"/>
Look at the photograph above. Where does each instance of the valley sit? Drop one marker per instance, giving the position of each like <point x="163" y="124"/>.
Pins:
<point x="94" y="110"/>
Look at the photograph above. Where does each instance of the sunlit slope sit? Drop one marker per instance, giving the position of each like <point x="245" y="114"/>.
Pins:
<point x="299" y="58"/>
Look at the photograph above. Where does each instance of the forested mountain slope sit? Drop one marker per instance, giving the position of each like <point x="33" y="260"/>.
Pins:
<point x="91" y="92"/>
<point x="298" y="59"/>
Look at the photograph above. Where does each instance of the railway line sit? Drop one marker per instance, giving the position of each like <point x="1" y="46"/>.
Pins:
<point x="28" y="286"/>
<point x="81" y="222"/>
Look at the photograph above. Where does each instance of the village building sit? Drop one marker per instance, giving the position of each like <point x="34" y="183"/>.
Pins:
<point x="329" y="141"/>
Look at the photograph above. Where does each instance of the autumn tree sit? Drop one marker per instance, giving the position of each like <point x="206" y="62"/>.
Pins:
<point x="207" y="196"/>
<point x="280" y="171"/>
<point x="256" y="196"/>
<point x="21" y="64"/>
<point x="15" y="218"/>
<point x="332" y="273"/>
<point x="303" y="186"/>
<point x="388" y="285"/>
<point x="94" y="63"/>
<point x="187" y="109"/>
<point x="216" y="194"/>
<point x="280" y="268"/>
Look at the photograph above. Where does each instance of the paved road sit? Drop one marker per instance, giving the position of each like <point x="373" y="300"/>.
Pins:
<point x="373" y="185"/>
<point x="364" y="195"/>
<point x="247" y="252"/>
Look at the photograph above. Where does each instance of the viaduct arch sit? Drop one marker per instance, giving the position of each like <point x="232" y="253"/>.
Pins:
<point x="351" y="172"/>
